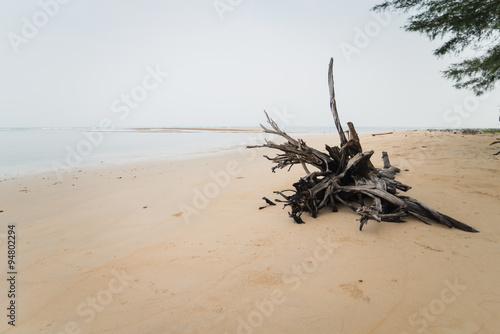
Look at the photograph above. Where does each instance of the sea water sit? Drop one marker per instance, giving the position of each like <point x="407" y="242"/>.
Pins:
<point x="32" y="150"/>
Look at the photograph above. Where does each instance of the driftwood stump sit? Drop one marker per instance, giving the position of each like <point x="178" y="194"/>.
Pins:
<point x="496" y="142"/>
<point x="345" y="175"/>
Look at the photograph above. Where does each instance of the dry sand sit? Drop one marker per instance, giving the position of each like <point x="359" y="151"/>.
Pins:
<point x="108" y="250"/>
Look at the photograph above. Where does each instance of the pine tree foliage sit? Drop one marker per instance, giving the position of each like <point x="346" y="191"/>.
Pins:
<point x="462" y="25"/>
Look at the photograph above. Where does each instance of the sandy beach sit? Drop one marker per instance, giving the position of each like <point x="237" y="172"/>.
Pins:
<point x="181" y="247"/>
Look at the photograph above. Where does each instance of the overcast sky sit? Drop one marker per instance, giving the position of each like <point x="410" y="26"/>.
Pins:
<point x="79" y="62"/>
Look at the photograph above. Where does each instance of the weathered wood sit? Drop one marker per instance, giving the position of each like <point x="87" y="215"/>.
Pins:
<point x="381" y="133"/>
<point x="345" y="175"/>
<point x="269" y="203"/>
<point x="388" y="170"/>
<point x="385" y="159"/>
<point x="333" y="104"/>
<point x="496" y="142"/>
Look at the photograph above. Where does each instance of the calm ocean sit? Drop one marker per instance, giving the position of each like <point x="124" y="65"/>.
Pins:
<point x="31" y="150"/>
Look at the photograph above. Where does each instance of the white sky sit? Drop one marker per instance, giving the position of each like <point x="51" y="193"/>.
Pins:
<point x="269" y="55"/>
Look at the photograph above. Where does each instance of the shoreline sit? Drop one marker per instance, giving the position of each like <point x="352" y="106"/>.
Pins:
<point x="131" y="157"/>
